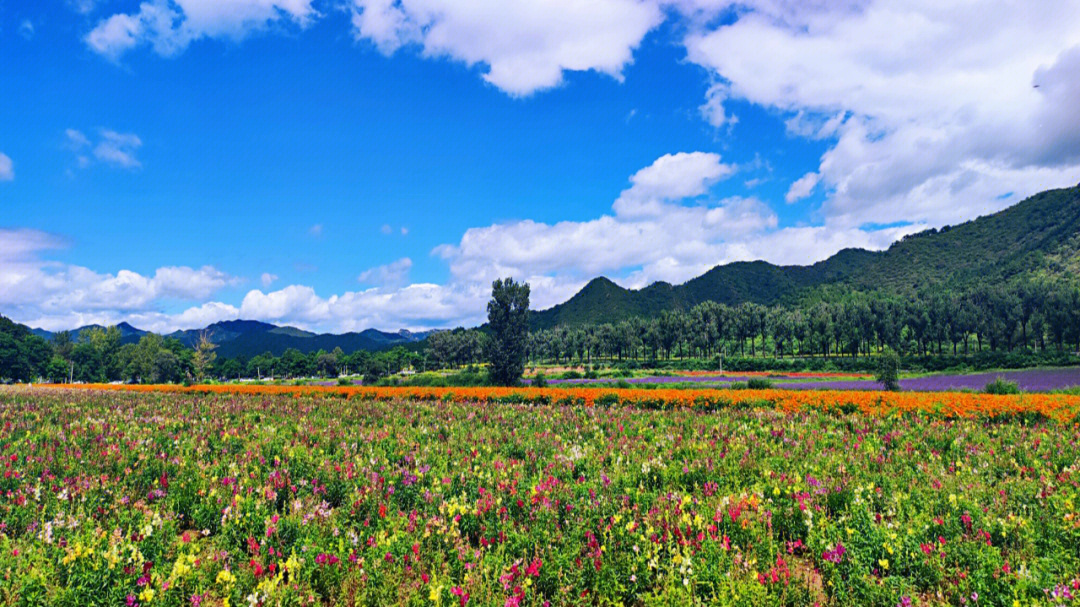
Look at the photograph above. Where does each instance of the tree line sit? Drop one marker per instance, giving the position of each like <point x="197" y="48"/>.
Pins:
<point x="1034" y="315"/>
<point x="97" y="355"/>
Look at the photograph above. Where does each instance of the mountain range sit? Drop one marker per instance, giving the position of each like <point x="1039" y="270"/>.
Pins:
<point x="251" y="337"/>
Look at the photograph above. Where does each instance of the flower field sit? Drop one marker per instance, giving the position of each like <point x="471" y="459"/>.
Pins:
<point x="1061" y="407"/>
<point x="323" y="496"/>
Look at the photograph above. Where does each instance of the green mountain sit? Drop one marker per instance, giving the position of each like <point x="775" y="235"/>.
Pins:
<point x="1038" y="235"/>
<point x="128" y="333"/>
<point x="251" y="337"/>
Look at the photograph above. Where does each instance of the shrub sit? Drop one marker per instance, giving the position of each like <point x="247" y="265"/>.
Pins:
<point x="759" y="383"/>
<point x="539" y="381"/>
<point x="1000" y="385"/>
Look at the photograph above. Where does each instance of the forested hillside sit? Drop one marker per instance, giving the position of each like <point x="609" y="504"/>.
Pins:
<point x="1039" y="235"/>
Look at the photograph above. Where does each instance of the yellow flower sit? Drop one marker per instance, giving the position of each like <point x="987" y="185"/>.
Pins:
<point x="884" y="564"/>
<point x="147" y="595"/>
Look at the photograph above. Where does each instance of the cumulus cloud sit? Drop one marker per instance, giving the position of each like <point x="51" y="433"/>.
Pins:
<point x="169" y="26"/>
<point x="391" y="274"/>
<point x="110" y="148"/>
<point x="7" y="168"/>
<point x="414" y="306"/>
<point x="933" y="109"/>
<point x="524" y="46"/>
<point x="50" y="293"/>
<point x="650" y="227"/>
<point x="521" y="46"/>
<point x="268" y="279"/>
<point x="671" y="177"/>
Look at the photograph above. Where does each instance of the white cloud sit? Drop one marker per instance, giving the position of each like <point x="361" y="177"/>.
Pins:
<point x="111" y="148"/>
<point x="713" y="110"/>
<point x="650" y="228"/>
<point x="671" y="177"/>
<point x="76" y="140"/>
<point x="392" y="274"/>
<point x="268" y="279"/>
<point x="802" y="187"/>
<point x="315" y="230"/>
<point x="931" y="108"/>
<point x="83" y="7"/>
<point x="169" y="26"/>
<point x="50" y="293"/>
<point x="26" y="29"/>
<point x="524" y="45"/>
<point x="25" y="243"/>
<point x="416" y="306"/>
<point x="118" y="149"/>
<point x="7" y="168"/>
<point x="182" y="282"/>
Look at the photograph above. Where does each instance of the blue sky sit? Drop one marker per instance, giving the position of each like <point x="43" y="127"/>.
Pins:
<point x="340" y="165"/>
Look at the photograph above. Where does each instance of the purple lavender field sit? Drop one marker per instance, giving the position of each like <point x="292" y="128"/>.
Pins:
<point x="658" y="379"/>
<point x="1029" y="380"/>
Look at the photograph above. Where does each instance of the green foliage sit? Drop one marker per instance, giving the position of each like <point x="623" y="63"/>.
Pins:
<point x="469" y="376"/>
<point x="1000" y="385"/>
<point x="888" y="370"/>
<point x="23" y="355"/>
<point x="508" y="318"/>
<point x="758" y="383"/>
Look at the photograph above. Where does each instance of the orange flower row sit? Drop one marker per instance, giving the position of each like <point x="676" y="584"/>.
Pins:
<point x="950" y="404"/>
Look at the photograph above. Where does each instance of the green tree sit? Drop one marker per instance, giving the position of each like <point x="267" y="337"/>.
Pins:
<point x="204" y="355"/>
<point x="508" y="317"/>
<point x="888" y="370"/>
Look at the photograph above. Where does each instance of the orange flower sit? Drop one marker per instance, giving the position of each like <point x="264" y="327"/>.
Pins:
<point x="1061" y="407"/>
